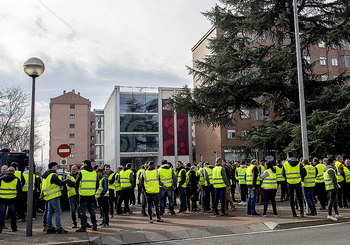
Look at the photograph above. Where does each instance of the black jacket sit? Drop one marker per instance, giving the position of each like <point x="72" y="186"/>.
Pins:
<point x="193" y="180"/>
<point x="183" y="175"/>
<point x="54" y="178"/>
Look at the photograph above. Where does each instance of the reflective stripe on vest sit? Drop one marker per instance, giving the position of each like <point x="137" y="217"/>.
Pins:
<point x="210" y="175"/>
<point x="138" y="175"/>
<point x="125" y="178"/>
<point x="166" y="176"/>
<point x="111" y="186"/>
<point x="9" y="190"/>
<point x="26" y="179"/>
<point x="18" y="174"/>
<point x="261" y="169"/>
<point x="279" y="175"/>
<point x="184" y="185"/>
<point x="151" y="181"/>
<point x="87" y="185"/>
<point x="347" y="174"/>
<point x="100" y="188"/>
<point x="340" y="178"/>
<point x="327" y="179"/>
<point x="250" y="175"/>
<point x="309" y="179"/>
<point x="270" y="182"/>
<point x="240" y="175"/>
<point x="218" y="181"/>
<point x="50" y="190"/>
<point x="200" y="174"/>
<point x="71" y="190"/>
<point x="319" y="178"/>
<point x="292" y="173"/>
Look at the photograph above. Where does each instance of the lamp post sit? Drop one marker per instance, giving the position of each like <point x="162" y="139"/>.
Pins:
<point x="33" y="67"/>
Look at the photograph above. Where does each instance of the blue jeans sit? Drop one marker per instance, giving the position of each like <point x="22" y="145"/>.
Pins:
<point x="46" y="209"/>
<point x="252" y="194"/>
<point x="144" y="203"/>
<point x="183" y="199"/>
<point x="89" y="205"/>
<point x="162" y="195"/>
<point x="11" y="207"/>
<point x="309" y="198"/>
<point x="54" y="207"/>
<point x="74" y="208"/>
<point x="220" y="194"/>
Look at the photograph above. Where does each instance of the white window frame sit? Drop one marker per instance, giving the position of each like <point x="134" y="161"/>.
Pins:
<point x="335" y="61"/>
<point x="230" y="133"/>
<point x="244" y="114"/>
<point x="323" y="61"/>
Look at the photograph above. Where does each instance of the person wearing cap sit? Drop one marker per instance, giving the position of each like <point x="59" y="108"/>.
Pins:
<point x="221" y="183"/>
<point x="102" y="196"/>
<point x="10" y="187"/>
<point x="86" y="185"/>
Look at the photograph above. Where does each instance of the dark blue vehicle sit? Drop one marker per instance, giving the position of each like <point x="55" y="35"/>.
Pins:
<point x="7" y="157"/>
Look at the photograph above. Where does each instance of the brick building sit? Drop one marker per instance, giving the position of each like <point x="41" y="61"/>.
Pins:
<point x="72" y="122"/>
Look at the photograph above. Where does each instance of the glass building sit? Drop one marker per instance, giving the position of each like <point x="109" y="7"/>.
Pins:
<point x="137" y="127"/>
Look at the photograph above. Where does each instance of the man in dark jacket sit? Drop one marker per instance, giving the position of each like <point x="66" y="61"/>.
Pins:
<point x="193" y="188"/>
<point x="10" y="187"/>
<point x="102" y="196"/>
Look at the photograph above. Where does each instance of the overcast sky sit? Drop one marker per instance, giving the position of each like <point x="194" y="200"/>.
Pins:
<point x="90" y="46"/>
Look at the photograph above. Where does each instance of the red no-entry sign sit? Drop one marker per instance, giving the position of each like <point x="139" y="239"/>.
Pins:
<point x="63" y="150"/>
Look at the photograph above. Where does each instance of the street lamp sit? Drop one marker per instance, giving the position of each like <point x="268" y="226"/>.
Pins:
<point x="33" y="67"/>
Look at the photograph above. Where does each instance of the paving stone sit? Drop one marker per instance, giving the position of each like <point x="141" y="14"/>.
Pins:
<point x="238" y="229"/>
<point x="199" y="232"/>
<point x="271" y="225"/>
<point x="258" y="227"/>
<point x="217" y="231"/>
<point x="179" y="234"/>
<point x="156" y="236"/>
<point x="95" y="240"/>
<point x="106" y="240"/>
<point x="133" y="238"/>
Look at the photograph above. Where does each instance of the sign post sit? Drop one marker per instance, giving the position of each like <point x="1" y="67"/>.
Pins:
<point x="63" y="151"/>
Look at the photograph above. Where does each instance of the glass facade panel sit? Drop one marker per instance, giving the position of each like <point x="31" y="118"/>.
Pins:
<point x="139" y="123"/>
<point x="139" y="142"/>
<point x="99" y="137"/>
<point x="138" y="103"/>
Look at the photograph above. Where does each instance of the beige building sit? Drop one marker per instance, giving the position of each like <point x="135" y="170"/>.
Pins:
<point x="72" y="122"/>
<point x="225" y="142"/>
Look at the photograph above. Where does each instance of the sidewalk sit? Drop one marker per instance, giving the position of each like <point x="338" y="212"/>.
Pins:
<point x="135" y="228"/>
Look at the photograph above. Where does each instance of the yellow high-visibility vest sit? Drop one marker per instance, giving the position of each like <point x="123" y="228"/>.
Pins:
<point x="340" y="178"/>
<point x="50" y="190"/>
<point x="118" y="186"/>
<point x="151" y="181"/>
<point x="279" y="175"/>
<point x="166" y="176"/>
<point x="71" y="190"/>
<point x="310" y="178"/>
<point x="9" y="190"/>
<point x="327" y="179"/>
<point x="111" y="186"/>
<point x="270" y="182"/>
<point x="210" y="175"/>
<point x="292" y="173"/>
<point x="87" y="185"/>
<point x="26" y="179"/>
<point x="100" y="188"/>
<point x="125" y="178"/>
<point x="250" y="175"/>
<point x="184" y="185"/>
<point x="319" y="178"/>
<point x="240" y="175"/>
<point x="218" y="181"/>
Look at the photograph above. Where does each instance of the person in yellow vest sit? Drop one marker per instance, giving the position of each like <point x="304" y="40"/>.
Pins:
<point x="102" y="194"/>
<point x="201" y="182"/>
<point x="228" y="197"/>
<point x="347" y="178"/>
<point x="168" y="178"/>
<point x="118" y="191"/>
<point x="320" y="189"/>
<point x="181" y="185"/>
<point x="240" y="174"/>
<point x="220" y="183"/>
<point x="292" y="172"/>
<point x="86" y="185"/>
<point x="10" y="187"/>
<point x="208" y="187"/>
<point x="51" y="193"/>
<point x="269" y="185"/>
<point x="261" y="169"/>
<point x="188" y="191"/>
<point x="73" y="196"/>
<point x="151" y="184"/>
<point x="126" y="180"/>
<point x="21" y="206"/>
<point x="308" y="178"/>
<point x="342" y="202"/>
<point x="25" y="193"/>
<point x="138" y="175"/>
<point x="332" y="186"/>
<point x="111" y="186"/>
<point x="253" y="183"/>
<point x="281" y="181"/>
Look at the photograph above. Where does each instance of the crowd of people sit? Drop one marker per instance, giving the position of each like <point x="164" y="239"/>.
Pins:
<point x="200" y="187"/>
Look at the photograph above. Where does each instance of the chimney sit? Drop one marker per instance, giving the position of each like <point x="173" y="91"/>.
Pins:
<point x="78" y="93"/>
<point x="64" y="91"/>
<point x="73" y="90"/>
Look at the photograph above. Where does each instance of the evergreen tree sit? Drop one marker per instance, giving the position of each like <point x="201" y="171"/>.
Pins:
<point x="253" y="65"/>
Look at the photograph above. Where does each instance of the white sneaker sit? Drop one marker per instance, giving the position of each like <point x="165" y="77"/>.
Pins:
<point x="241" y="203"/>
<point x="338" y="216"/>
<point x="332" y="218"/>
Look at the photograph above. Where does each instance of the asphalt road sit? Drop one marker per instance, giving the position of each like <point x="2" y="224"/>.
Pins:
<point x="332" y="234"/>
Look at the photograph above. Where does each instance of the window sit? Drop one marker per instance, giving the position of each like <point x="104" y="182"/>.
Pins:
<point x="266" y="113"/>
<point x="324" y="78"/>
<point x="71" y="145"/>
<point x="72" y="136"/>
<point x="92" y="153"/>
<point x="92" y="130"/>
<point x="244" y="133"/>
<point x="92" y="145"/>
<point x="72" y="116"/>
<point x="92" y="138"/>
<point x="322" y="44"/>
<point x="72" y="106"/>
<point x="307" y="59"/>
<point x="71" y="125"/>
<point x="71" y="155"/>
<point x="334" y="61"/>
<point x="323" y="61"/>
<point x="244" y="114"/>
<point x="231" y="133"/>
<point x="231" y="114"/>
<point x="92" y="123"/>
